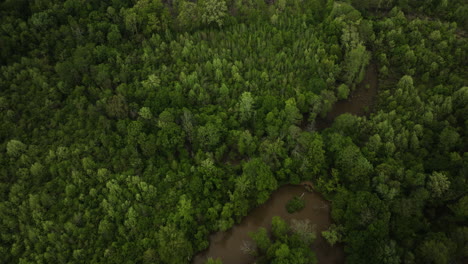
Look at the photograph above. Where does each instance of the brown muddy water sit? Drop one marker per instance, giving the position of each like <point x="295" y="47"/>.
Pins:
<point x="360" y="102"/>
<point x="227" y="245"/>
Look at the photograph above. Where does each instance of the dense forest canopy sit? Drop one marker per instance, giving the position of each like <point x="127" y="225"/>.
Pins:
<point x="132" y="129"/>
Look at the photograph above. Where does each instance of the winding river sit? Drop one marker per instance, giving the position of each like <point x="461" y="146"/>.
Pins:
<point x="227" y="245"/>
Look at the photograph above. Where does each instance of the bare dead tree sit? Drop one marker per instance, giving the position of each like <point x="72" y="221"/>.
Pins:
<point x="321" y="206"/>
<point x="304" y="229"/>
<point x="248" y="247"/>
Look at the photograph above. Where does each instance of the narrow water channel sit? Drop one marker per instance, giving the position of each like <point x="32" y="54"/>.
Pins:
<point x="360" y="102"/>
<point x="227" y="245"/>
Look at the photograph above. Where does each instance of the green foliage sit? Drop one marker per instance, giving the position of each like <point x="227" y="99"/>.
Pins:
<point x="261" y="239"/>
<point x="213" y="11"/>
<point x="213" y="261"/>
<point x="15" y="148"/>
<point x="435" y="249"/>
<point x="145" y="113"/>
<point x="247" y="144"/>
<point x="289" y="243"/>
<point x="311" y="154"/>
<point x="117" y="107"/>
<point x="146" y="16"/>
<point x="173" y="246"/>
<point x="343" y="91"/>
<point x="260" y="174"/>
<point x="279" y="227"/>
<point x="460" y="209"/>
<point x="334" y="234"/>
<point x="296" y="204"/>
<point x="355" y="64"/>
<point x="449" y="139"/>
<point x="246" y="105"/>
<point x="189" y="16"/>
<point x="131" y="130"/>
<point x="438" y="184"/>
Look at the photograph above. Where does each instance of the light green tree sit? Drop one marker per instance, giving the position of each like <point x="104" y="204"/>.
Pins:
<point x="283" y="251"/>
<point x="189" y="16"/>
<point x="15" y="148"/>
<point x="355" y="63"/>
<point x="438" y="184"/>
<point x="343" y="91"/>
<point x="37" y="169"/>
<point x="213" y="11"/>
<point x="145" y="113"/>
<point x="213" y="261"/>
<point x="246" y="105"/>
<point x="291" y="112"/>
<point x="279" y="228"/>
<point x="334" y="234"/>
<point x="261" y="238"/>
